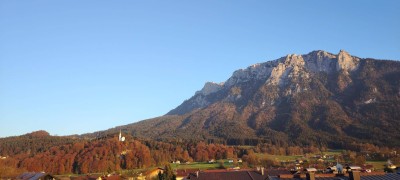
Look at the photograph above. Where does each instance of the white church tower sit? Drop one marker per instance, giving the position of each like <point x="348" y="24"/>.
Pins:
<point x="121" y="138"/>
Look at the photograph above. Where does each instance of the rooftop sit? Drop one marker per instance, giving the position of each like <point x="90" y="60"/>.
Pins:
<point x="227" y="174"/>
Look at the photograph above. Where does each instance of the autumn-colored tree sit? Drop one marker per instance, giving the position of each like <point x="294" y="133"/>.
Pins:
<point x="251" y="158"/>
<point x="359" y="160"/>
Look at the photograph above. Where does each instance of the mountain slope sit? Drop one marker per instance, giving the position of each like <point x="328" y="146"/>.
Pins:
<point x="317" y="98"/>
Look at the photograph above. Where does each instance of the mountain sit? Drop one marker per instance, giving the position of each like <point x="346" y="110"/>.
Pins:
<point x="316" y="98"/>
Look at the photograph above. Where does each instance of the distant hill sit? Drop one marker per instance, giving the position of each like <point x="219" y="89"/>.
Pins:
<point x="38" y="141"/>
<point x="318" y="98"/>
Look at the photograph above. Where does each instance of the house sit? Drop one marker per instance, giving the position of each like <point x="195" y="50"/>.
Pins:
<point x="248" y="174"/>
<point x="297" y="167"/>
<point x="391" y="166"/>
<point x="332" y="169"/>
<point x="352" y="175"/>
<point x="278" y="172"/>
<point x="35" y="176"/>
<point x="353" y="168"/>
<point x="367" y="168"/>
<point x="154" y="173"/>
<point x="329" y="156"/>
<point x="176" y="162"/>
<point x="310" y="169"/>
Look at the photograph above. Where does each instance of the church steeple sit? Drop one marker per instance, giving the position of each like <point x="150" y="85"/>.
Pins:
<point x="120" y="137"/>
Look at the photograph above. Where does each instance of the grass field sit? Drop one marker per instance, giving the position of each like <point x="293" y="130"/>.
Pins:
<point x="333" y="152"/>
<point x="295" y="157"/>
<point x="201" y="165"/>
<point x="279" y="158"/>
<point x="195" y="166"/>
<point x="244" y="147"/>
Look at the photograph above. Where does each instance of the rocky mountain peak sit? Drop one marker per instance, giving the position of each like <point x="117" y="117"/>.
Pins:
<point x="294" y="59"/>
<point x="256" y="71"/>
<point x="320" y="61"/>
<point x="346" y="62"/>
<point x="210" y="87"/>
<point x="315" y="61"/>
<point x="288" y="73"/>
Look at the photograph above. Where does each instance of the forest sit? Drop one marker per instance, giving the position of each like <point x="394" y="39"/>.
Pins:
<point x="38" y="151"/>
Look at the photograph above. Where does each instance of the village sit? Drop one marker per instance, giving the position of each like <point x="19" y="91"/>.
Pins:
<point x="316" y="167"/>
<point x="255" y="163"/>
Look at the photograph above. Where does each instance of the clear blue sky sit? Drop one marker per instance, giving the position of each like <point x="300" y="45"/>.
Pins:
<point x="71" y="67"/>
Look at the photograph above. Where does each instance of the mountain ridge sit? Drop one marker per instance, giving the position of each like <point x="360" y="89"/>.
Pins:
<point x="323" y="62"/>
<point x="315" y="98"/>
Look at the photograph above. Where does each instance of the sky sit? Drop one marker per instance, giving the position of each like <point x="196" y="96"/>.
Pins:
<point x="73" y="67"/>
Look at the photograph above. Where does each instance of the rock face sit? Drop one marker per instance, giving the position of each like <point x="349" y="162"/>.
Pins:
<point x="210" y="87"/>
<point x="346" y="62"/>
<point x="280" y="72"/>
<point x="320" y="61"/>
<point x="316" y="98"/>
